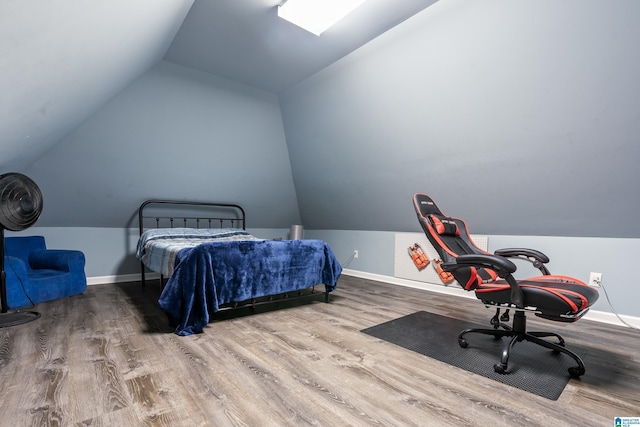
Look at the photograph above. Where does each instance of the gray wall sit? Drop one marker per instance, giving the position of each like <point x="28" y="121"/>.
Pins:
<point x="521" y="116"/>
<point x="174" y="133"/>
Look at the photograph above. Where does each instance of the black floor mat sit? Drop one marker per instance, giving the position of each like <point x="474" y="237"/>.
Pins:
<point x="531" y="367"/>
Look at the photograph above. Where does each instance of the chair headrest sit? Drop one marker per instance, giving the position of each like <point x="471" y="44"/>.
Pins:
<point x="424" y="205"/>
<point x="444" y="226"/>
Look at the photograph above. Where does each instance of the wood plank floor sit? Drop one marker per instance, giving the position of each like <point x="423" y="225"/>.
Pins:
<point x="107" y="358"/>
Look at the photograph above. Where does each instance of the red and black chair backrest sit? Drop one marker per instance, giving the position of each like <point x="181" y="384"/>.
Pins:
<point x="450" y="238"/>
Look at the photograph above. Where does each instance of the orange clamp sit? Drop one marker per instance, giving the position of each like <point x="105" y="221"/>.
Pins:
<point x="418" y="256"/>
<point x="445" y="276"/>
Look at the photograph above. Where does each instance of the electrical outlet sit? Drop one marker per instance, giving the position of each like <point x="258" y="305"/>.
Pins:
<point x="595" y="279"/>
<point x="355" y="253"/>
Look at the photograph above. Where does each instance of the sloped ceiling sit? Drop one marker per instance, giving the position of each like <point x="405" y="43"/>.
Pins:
<point x="245" y="41"/>
<point x="60" y="61"/>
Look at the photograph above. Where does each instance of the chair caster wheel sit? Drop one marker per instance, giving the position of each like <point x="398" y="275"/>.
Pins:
<point x="576" y="371"/>
<point x="462" y="343"/>
<point x="500" y="368"/>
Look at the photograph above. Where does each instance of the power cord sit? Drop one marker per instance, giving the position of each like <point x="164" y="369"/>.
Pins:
<point x="8" y="258"/>
<point x="348" y="261"/>
<point x="614" y="310"/>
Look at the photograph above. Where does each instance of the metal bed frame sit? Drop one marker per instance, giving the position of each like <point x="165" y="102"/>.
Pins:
<point x="159" y="213"/>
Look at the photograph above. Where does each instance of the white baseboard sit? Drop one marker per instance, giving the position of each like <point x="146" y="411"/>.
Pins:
<point x="596" y="316"/>
<point x="441" y="289"/>
<point x="105" y="280"/>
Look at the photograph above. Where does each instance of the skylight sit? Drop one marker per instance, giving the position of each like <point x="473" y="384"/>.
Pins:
<point x="316" y="16"/>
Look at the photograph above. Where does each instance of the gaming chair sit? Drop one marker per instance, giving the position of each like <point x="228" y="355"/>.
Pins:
<point x="557" y="298"/>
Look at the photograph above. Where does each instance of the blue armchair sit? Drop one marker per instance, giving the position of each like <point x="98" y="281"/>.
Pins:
<point x="36" y="274"/>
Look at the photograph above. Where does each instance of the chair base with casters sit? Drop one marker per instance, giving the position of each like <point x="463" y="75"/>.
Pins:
<point x="491" y="277"/>
<point x="518" y="333"/>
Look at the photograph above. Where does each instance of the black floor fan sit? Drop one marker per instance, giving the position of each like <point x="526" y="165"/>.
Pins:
<point x="20" y="208"/>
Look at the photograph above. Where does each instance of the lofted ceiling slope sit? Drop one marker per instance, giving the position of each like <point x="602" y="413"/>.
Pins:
<point x="245" y="41"/>
<point x="61" y="61"/>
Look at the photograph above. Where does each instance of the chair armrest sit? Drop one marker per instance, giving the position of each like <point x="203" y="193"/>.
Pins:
<point x="530" y="253"/>
<point x="16" y="266"/>
<point x="499" y="264"/>
<point x="56" y="259"/>
<point x="537" y="258"/>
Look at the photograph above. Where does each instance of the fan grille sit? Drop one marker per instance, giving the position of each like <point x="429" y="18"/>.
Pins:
<point x="20" y="201"/>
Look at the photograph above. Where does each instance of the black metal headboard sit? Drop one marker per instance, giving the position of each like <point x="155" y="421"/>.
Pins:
<point x="180" y="213"/>
<point x="188" y="214"/>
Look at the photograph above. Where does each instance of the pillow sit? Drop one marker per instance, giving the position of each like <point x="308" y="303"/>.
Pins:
<point x="444" y="226"/>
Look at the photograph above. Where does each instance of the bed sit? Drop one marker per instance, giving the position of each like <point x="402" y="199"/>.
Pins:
<point x="211" y="263"/>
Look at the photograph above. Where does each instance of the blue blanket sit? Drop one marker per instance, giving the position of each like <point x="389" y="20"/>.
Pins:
<point x="216" y="273"/>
